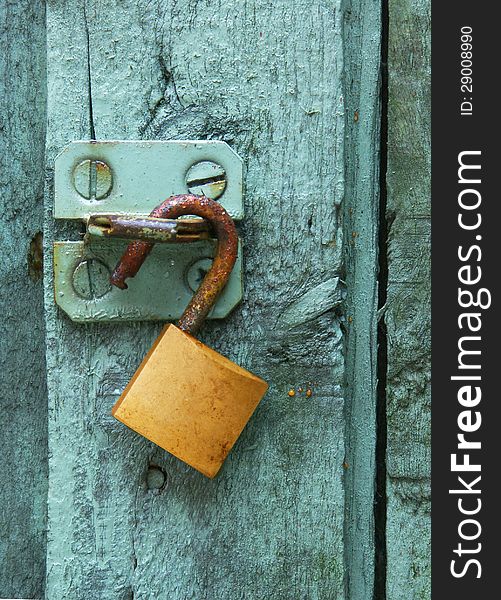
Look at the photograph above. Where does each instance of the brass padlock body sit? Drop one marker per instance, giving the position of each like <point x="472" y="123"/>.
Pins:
<point x="189" y="400"/>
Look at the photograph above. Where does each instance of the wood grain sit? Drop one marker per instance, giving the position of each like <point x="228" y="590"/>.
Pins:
<point x="362" y="31"/>
<point x="303" y="109"/>
<point x="23" y="414"/>
<point x="268" y="78"/>
<point x="407" y="314"/>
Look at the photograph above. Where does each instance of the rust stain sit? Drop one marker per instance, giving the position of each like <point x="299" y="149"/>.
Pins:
<point x="35" y="257"/>
<point x="225" y="449"/>
<point x="103" y="167"/>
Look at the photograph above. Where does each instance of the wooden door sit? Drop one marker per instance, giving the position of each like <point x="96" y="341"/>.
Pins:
<point x="295" y="88"/>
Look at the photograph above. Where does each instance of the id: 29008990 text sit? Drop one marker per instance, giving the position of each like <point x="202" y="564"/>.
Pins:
<point x="466" y="71"/>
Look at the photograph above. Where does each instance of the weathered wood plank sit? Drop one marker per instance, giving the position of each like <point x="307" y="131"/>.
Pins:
<point x="407" y="314"/>
<point x="362" y="33"/>
<point x="23" y="417"/>
<point x="125" y="519"/>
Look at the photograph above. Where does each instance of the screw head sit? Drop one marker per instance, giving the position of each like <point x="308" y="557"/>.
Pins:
<point x="93" y="179"/>
<point x="196" y="272"/>
<point x="91" y="279"/>
<point x="206" y="178"/>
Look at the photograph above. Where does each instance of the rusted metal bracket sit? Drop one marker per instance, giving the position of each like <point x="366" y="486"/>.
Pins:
<point x="112" y="187"/>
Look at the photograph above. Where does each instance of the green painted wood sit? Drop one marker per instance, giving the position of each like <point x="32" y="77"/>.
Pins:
<point x="362" y="32"/>
<point x="23" y="414"/>
<point x="407" y="312"/>
<point x="279" y="81"/>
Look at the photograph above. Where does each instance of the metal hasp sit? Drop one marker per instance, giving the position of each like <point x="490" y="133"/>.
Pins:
<point x="107" y="185"/>
<point x="217" y="276"/>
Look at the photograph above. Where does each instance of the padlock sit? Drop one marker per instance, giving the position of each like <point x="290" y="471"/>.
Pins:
<point x="185" y="397"/>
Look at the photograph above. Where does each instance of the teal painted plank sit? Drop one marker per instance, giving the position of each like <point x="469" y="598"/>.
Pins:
<point x="23" y="414"/>
<point x="407" y="314"/>
<point x="362" y="32"/>
<point x="125" y="519"/>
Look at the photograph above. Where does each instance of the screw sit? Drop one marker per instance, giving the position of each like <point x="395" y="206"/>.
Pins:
<point x="155" y="478"/>
<point x="206" y="178"/>
<point x="93" y="179"/>
<point x="196" y="272"/>
<point x="91" y="279"/>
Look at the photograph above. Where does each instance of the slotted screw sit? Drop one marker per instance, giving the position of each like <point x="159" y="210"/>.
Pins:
<point x="91" y="279"/>
<point x="196" y="273"/>
<point x="93" y="179"/>
<point x="206" y="178"/>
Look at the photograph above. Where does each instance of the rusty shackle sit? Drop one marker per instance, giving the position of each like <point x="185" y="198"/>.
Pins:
<point x="217" y="276"/>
